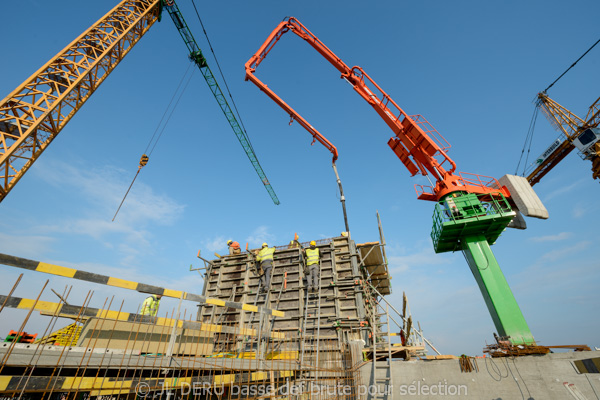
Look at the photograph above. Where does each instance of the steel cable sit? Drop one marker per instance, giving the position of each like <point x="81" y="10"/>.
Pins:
<point x="572" y="65"/>
<point x="528" y="139"/>
<point x="159" y="130"/>
<point x="223" y="76"/>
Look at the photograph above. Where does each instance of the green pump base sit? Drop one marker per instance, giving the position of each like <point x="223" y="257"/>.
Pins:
<point x="500" y="301"/>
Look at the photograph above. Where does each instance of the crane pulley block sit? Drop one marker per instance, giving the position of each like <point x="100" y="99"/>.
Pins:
<point x="144" y="160"/>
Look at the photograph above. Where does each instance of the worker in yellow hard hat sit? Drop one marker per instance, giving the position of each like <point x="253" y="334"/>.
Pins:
<point x="234" y="247"/>
<point x="313" y="259"/>
<point x="265" y="258"/>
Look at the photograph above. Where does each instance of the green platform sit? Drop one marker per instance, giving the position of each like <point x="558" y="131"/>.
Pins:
<point x="470" y="216"/>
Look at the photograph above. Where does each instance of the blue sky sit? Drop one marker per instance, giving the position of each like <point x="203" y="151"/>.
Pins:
<point x="471" y="68"/>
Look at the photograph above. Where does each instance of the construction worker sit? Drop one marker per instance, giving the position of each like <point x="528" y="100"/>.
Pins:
<point x="265" y="258"/>
<point x="295" y="244"/>
<point x="312" y="263"/>
<point x="234" y="247"/>
<point x="150" y="305"/>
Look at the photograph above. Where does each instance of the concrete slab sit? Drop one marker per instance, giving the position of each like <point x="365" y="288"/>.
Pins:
<point x="531" y="377"/>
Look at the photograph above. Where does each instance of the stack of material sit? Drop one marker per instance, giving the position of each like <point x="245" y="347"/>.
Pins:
<point x="22" y="337"/>
<point x="67" y="336"/>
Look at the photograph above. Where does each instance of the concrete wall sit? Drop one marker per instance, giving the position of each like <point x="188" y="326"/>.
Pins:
<point x="144" y="337"/>
<point x="530" y="377"/>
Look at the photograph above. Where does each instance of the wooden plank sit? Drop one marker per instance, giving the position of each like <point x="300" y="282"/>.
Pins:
<point x="443" y="357"/>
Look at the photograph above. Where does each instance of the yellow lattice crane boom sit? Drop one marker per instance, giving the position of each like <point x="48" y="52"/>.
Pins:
<point x="579" y="133"/>
<point x="35" y="112"/>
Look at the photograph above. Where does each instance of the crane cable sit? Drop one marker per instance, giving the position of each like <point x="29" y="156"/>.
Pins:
<point x="572" y="65"/>
<point x="529" y="137"/>
<point x="146" y="156"/>
<point x="528" y="141"/>
<point x="172" y="110"/>
<point x="223" y="76"/>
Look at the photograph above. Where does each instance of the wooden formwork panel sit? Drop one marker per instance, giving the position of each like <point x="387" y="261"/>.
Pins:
<point x="349" y="314"/>
<point x="345" y="274"/>
<point x="341" y="245"/>
<point x="234" y="271"/>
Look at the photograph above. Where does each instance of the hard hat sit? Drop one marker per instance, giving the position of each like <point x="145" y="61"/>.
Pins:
<point x="229" y="242"/>
<point x="264" y="244"/>
<point x="313" y="243"/>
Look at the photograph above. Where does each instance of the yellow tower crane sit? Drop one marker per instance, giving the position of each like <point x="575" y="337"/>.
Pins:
<point x="580" y="133"/>
<point x="35" y="112"/>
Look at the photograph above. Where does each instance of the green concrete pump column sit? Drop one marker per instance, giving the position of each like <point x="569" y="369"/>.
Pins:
<point x="500" y="301"/>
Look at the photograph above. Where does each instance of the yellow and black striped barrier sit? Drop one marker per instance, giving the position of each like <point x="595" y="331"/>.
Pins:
<point x="125" y="284"/>
<point x="89" y="312"/>
<point x="588" y="366"/>
<point x="97" y="386"/>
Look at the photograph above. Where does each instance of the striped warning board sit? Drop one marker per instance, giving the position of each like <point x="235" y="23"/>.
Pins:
<point x="588" y="366"/>
<point x="142" y="386"/>
<point x="89" y="312"/>
<point x="125" y="284"/>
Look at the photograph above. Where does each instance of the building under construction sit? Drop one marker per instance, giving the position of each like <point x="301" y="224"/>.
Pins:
<point x="345" y="341"/>
<point x="239" y="338"/>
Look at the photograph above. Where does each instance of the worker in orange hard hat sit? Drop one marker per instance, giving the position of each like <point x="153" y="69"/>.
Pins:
<point x="234" y="247"/>
<point x="265" y="258"/>
<point x="295" y="244"/>
<point x="313" y="281"/>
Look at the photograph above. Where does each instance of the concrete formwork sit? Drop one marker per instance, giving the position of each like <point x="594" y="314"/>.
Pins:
<point x="338" y="316"/>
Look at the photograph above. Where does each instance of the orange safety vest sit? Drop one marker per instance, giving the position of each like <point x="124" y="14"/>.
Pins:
<point x="235" y="245"/>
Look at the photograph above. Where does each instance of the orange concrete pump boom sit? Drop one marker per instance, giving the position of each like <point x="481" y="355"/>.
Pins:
<point x="420" y="148"/>
<point x="260" y="56"/>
